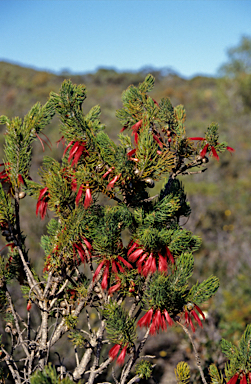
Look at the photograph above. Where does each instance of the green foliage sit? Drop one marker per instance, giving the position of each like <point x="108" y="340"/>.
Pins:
<point x="216" y="376"/>
<point x="239" y="357"/>
<point x="48" y="376"/>
<point x="203" y="291"/>
<point x="144" y="369"/>
<point x="119" y="326"/>
<point x="182" y="373"/>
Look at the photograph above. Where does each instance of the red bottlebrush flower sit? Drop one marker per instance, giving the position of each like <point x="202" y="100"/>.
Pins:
<point x="168" y="318"/>
<point x="107" y="172"/>
<point x="204" y="150"/>
<point x="229" y="149"/>
<point x="28" y="306"/>
<point x="162" y="263"/>
<point x="79" y="194"/>
<point x="42" y="202"/>
<point x="243" y="379"/>
<point x="112" y="182"/>
<point x="88" y="198"/>
<point x="233" y="379"/>
<point x="114" y="351"/>
<point x="145" y="321"/>
<point x="215" y="153"/>
<point x="121" y="358"/>
<point x="104" y="282"/>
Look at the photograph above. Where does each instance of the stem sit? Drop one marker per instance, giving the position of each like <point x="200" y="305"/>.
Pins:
<point x="197" y="357"/>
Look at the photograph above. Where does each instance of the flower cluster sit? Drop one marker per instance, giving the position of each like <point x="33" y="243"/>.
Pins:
<point x="159" y="320"/>
<point x="115" y="265"/>
<point x="146" y="262"/>
<point x="78" y="148"/>
<point x="242" y="376"/>
<point x="190" y="311"/>
<point x="210" y="148"/>
<point x="114" y="352"/>
<point x="42" y="202"/>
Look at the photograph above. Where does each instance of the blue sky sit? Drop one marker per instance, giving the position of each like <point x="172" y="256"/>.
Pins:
<point x="189" y="36"/>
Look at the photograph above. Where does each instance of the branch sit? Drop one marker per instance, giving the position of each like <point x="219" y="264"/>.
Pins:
<point x="197" y="358"/>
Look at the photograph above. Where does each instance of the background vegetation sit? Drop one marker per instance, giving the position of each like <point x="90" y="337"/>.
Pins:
<point x="220" y="199"/>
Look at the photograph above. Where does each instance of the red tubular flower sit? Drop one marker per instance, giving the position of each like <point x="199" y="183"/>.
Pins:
<point x="76" y="151"/>
<point x="98" y="270"/>
<point x="132" y="248"/>
<point x="137" y="125"/>
<point x="81" y="251"/>
<point x="88" y="198"/>
<point x="74" y="185"/>
<point x="61" y="140"/>
<point x="168" y="318"/>
<point x="107" y="172"/>
<point x="68" y="146"/>
<point x="196" y="138"/>
<point x="233" y="379"/>
<point x="169" y="254"/>
<point x="162" y="263"/>
<point x="145" y="321"/>
<point x="140" y="262"/>
<point x="104" y="282"/>
<point x="28" y="306"/>
<point x="200" y="311"/>
<point x="196" y="318"/>
<point x="121" y="358"/>
<point x="42" y="202"/>
<point x="215" y="153"/>
<point x="128" y="265"/>
<point x="130" y="153"/>
<point x="20" y="179"/>
<point x="114" y="351"/>
<point x="114" y="288"/>
<point x="230" y="149"/>
<point x="112" y="182"/>
<point x="156" y="138"/>
<point x="204" y="150"/>
<point x="87" y="244"/>
<point x="79" y="194"/>
<point x="243" y="379"/>
<point x="150" y="265"/>
<point x="133" y="256"/>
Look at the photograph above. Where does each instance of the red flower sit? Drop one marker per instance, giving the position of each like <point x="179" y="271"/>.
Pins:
<point x="79" y="194"/>
<point x="188" y="319"/>
<point x="158" y="320"/>
<point x="196" y="138"/>
<point x="114" y="351"/>
<point x="81" y="251"/>
<point x="28" y="306"/>
<point x="121" y="358"/>
<point x="76" y="151"/>
<point x="149" y="260"/>
<point x="243" y="379"/>
<point x="112" y="182"/>
<point x="88" y="198"/>
<point x="42" y="202"/>
<point x="215" y="153"/>
<point x="230" y="149"/>
<point x="107" y="172"/>
<point x="145" y="321"/>
<point x="20" y="179"/>
<point x="233" y="379"/>
<point x="204" y="150"/>
<point x="114" y="264"/>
